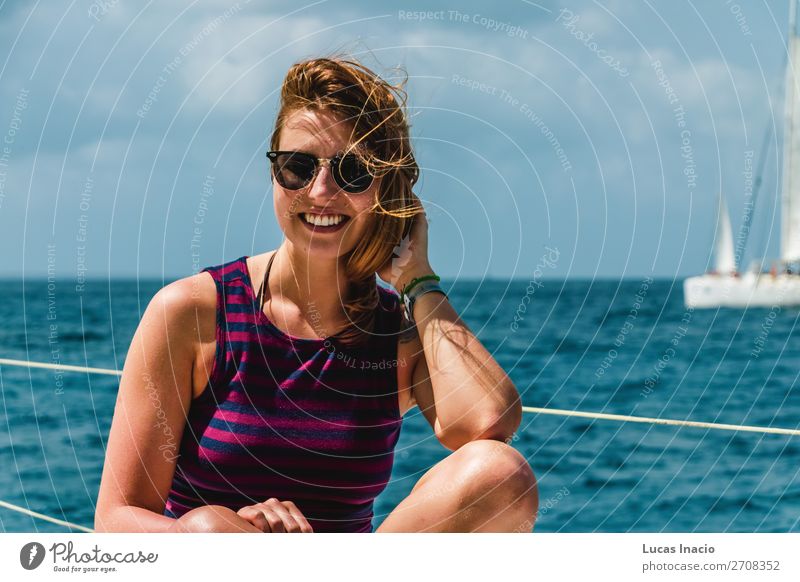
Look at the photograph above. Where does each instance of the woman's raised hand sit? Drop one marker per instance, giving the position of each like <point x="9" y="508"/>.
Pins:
<point x="410" y="257"/>
<point x="273" y="516"/>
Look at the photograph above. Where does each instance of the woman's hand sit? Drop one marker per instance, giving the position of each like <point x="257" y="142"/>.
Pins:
<point x="273" y="516"/>
<point x="411" y="258"/>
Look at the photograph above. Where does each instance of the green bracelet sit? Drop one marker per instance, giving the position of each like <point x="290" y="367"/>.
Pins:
<point x="416" y="280"/>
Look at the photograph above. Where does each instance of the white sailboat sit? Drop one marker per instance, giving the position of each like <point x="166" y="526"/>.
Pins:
<point x="725" y="286"/>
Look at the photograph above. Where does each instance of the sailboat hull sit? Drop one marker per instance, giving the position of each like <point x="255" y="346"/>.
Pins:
<point x="750" y="290"/>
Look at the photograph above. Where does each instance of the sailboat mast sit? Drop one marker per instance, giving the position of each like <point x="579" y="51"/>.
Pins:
<point x="790" y="196"/>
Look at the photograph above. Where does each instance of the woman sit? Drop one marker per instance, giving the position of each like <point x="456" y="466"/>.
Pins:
<point x="266" y="394"/>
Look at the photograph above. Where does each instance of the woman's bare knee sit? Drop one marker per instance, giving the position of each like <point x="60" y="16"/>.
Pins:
<point x="485" y="485"/>
<point x="496" y="473"/>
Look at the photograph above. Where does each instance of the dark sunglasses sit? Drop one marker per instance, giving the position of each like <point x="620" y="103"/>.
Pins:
<point x="296" y="170"/>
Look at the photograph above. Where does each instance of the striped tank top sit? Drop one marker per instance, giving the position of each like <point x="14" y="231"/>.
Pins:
<point x="305" y="420"/>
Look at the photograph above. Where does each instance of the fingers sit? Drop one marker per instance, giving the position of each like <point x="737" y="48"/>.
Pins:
<point x="273" y="519"/>
<point x="255" y="515"/>
<point x="282" y="521"/>
<point x="299" y="518"/>
<point x="273" y="516"/>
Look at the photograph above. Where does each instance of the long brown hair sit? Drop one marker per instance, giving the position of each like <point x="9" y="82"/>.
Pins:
<point x="380" y="136"/>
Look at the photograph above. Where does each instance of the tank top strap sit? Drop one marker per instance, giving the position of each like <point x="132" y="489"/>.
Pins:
<point x="227" y="273"/>
<point x="230" y="281"/>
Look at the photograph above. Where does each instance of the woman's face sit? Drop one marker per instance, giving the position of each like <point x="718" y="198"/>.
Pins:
<point x="323" y="135"/>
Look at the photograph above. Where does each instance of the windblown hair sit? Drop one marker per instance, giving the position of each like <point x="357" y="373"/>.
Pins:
<point x="375" y="109"/>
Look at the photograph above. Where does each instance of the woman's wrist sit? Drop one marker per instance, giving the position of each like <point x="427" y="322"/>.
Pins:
<point x="411" y="274"/>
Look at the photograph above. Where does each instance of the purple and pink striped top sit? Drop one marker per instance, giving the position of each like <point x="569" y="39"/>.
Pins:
<point x="305" y="420"/>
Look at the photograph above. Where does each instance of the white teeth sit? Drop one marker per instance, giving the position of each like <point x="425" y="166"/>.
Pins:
<point x="327" y="220"/>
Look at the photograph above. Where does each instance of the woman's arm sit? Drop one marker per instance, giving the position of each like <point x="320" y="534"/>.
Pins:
<point x="154" y="396"/>
<point x="461" y="389"/>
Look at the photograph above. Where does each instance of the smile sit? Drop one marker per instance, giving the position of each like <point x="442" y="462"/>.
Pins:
<point x="323" y="222"/>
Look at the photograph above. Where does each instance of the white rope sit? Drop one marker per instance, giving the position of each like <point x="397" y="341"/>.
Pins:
<point x="26" y="364"/>
<point x="667" y="421"/>
<point x="13" y="507"/>
<point x="528" y="409"/>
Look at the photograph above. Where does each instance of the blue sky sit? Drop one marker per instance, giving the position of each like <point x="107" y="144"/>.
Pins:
<point x="602" y="129"/>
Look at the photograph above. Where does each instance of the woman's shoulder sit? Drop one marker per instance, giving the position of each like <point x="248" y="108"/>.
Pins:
<point x="192" y="304"/>
<point x="191" y="293"/>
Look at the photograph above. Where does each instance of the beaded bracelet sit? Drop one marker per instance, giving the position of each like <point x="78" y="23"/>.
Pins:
<point x="414" y="281"/>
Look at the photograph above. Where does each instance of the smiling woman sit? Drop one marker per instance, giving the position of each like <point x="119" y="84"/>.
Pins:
<point x="284" y="376"/>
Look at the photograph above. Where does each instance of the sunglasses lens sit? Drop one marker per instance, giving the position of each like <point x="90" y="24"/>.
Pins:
<point x="294" y="171"/>
<point x="351" y="175"/>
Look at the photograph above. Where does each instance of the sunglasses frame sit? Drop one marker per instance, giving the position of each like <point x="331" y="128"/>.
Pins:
<point x="332" y="163"/>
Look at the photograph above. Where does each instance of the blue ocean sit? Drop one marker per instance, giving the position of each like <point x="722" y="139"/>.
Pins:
<point x="628" y="347"/>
